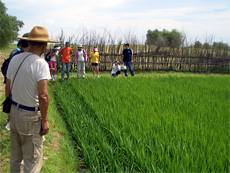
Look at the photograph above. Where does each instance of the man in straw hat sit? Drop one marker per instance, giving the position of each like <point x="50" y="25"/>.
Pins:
<point x="27" y="85"/>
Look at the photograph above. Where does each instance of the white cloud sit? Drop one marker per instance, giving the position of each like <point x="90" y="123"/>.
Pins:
<point x="108" y="3"/>
<point x="126" y="15"/>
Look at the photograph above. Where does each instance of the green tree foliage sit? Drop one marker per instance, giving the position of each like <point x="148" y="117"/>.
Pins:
<point x="156" y="38"/>
<point x="9" y="27"/>
<point x="220" y="45"/>
<point x="206" y="46"/>
<point x="198" y="45"/>
<point x="164" y="38"/>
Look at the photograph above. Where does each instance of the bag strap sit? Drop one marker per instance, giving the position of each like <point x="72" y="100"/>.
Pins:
<point x="17" y="71"/>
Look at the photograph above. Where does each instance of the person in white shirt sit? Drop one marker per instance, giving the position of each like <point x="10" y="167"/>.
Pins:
<point x="26" y="84"/>
<point x="80" y="61"/>
<point x="116" y="69"/>
<point x="52" y="63"/>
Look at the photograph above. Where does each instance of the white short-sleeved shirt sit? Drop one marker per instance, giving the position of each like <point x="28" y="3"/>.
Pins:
<point x="80" y="56"/>
<point x="53" y="58"/>
<point x="115" y="69"/>
<point x="25" y="87"/>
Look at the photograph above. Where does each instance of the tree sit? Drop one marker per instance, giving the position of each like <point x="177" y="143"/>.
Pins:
<point x="198" y="45"/>
<point x="152" y="37"/>
<point x="175" y="38"/>
<point x="206" y="46"/>
<point x="9" y="27"/>
<point x="172" y="39"/>
<point x="156" y="38"/>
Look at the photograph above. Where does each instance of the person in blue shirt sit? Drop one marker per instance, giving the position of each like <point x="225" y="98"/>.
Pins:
<point x="18" y="48"/>
<point x="22" y="46"/>
<point x="127" y="59"/>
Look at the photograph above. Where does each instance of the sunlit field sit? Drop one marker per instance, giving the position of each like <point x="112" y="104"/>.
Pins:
<point x="151" y="122"/>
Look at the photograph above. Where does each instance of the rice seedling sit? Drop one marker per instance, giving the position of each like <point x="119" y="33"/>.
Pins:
<point x="149" y="123"/>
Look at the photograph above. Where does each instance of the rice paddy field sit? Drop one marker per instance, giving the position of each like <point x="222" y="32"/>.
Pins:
<point x="150" y="122"/>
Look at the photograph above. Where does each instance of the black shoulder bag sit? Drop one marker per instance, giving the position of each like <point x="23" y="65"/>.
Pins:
<point x="8" y="101"/>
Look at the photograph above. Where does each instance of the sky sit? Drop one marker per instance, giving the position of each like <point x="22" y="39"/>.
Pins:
<point x="199" y="19"/>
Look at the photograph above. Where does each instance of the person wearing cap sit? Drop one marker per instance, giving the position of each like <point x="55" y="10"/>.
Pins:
<point x="94" y="59"/>
<point x="116" y="69"/>
<point x="80" y="61"/>
<point x="66" y="54"/>
<point x="17" y="49"/>
<point x="127" y="59"/>
<point x="52" y="63"/>
<point x="26" y="83"/>
<point x="22" y="46"/>
<point x="6" y="62"/>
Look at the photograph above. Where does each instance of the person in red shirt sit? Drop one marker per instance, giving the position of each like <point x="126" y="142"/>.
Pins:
<point x="66" y="54"/>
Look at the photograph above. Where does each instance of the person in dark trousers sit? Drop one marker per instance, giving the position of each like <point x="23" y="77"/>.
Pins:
<point x="127" y="59"/>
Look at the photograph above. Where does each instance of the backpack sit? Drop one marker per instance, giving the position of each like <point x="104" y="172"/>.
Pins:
<point x="47" y="57"/>
<point x="5" y="66"/>
<point x="6" y="63"/>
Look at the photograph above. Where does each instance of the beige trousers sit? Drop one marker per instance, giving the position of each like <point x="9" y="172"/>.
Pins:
<point x="81" y="69"/>
<point x="26" y="143"/>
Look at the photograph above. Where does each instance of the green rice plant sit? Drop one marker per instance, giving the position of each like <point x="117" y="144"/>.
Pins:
<point x="149" y="123"/>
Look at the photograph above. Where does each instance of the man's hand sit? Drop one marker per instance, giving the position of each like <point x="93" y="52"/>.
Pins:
<point x="45" y="127"/>
<point x="131" y="61"/>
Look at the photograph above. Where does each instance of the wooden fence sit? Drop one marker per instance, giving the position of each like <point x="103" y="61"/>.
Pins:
<point x="164" y="62"/>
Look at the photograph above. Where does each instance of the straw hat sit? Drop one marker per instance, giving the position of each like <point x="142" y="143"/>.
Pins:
<point x="80" y="45"/>
<point x="39" y="34"/>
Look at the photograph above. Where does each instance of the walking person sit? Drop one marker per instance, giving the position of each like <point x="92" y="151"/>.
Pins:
<point x="52" y="63"/>
<point x="94" y="59"/>
<point x="27" y="85"/>
<point x="127" y="59"/>
<point x="66" y="54"/>
<point x="80" y="61"/>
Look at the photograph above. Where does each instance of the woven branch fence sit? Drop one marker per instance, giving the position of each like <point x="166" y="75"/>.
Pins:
<point x="163" y="62"/>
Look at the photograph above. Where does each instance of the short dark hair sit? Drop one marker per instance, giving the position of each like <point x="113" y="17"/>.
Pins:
<point x="24" y="43"/>
<point x="126" y="44"/>
<point x="37" y="44"/>
<point x="19" y="43"/>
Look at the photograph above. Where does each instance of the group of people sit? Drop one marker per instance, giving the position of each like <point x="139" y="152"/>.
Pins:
<point x="81" y="59"/>
<point x="27" y="76"/>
